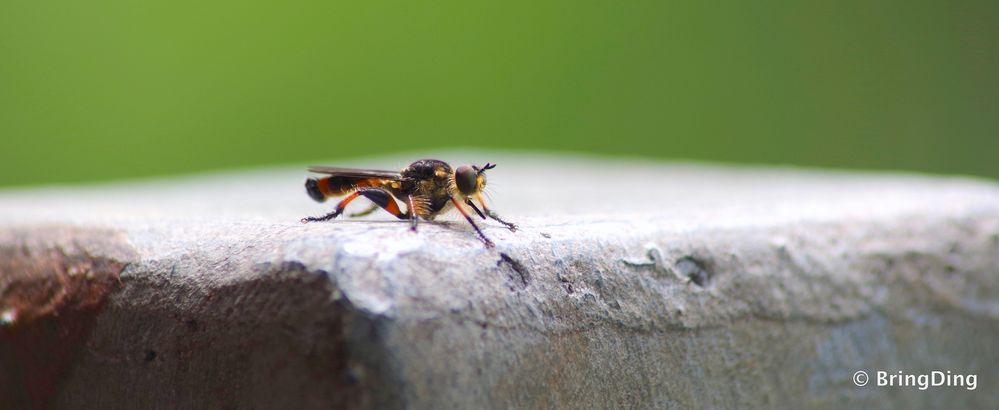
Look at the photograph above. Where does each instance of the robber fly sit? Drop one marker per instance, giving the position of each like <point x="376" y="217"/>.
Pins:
<point x="428" y="187"/>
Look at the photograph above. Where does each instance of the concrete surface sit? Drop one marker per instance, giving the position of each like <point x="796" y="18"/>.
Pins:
<point x="630" y="284"/>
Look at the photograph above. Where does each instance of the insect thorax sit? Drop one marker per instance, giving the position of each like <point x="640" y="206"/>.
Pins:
<point x="429" y="181"/>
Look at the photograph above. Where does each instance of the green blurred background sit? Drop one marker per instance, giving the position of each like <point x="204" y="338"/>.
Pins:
<point x="94" y="90"/>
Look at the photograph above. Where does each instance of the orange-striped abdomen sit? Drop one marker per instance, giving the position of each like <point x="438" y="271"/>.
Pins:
<point x="326" y="187"/>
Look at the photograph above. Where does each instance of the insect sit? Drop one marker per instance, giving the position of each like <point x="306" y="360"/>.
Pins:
<point x="427" y="187"/>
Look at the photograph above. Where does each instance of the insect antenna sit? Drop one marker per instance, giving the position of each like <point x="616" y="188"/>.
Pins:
<point x="484" y="168"/>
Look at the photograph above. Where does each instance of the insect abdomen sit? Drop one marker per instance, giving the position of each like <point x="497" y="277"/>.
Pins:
<point x="322" y="188"/>
<point x="312" y="188"/>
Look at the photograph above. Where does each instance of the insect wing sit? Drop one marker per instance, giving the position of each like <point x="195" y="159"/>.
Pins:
<point x="356" y="172"/>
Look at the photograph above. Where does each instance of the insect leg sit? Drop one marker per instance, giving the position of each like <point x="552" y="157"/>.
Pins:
<point x="510" y="225"/>
<point x="489" y="244"/>
<point x="336" y="212"/>
<point x="412" y="212"/>
<point x="368" y="211"/>
<point x="379" y="197"/>
<point x="383" y="199"/>
<point x="475" y="208"/>
<point x="491" y="214"/>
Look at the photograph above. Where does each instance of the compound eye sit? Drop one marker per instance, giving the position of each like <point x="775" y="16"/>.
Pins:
<point x="465" y="177"/>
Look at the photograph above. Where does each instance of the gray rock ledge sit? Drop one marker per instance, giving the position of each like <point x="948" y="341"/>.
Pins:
<point x="629" y="284"/>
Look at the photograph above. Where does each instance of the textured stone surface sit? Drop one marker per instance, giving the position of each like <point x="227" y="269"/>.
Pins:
<point x="629" y="283"/>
